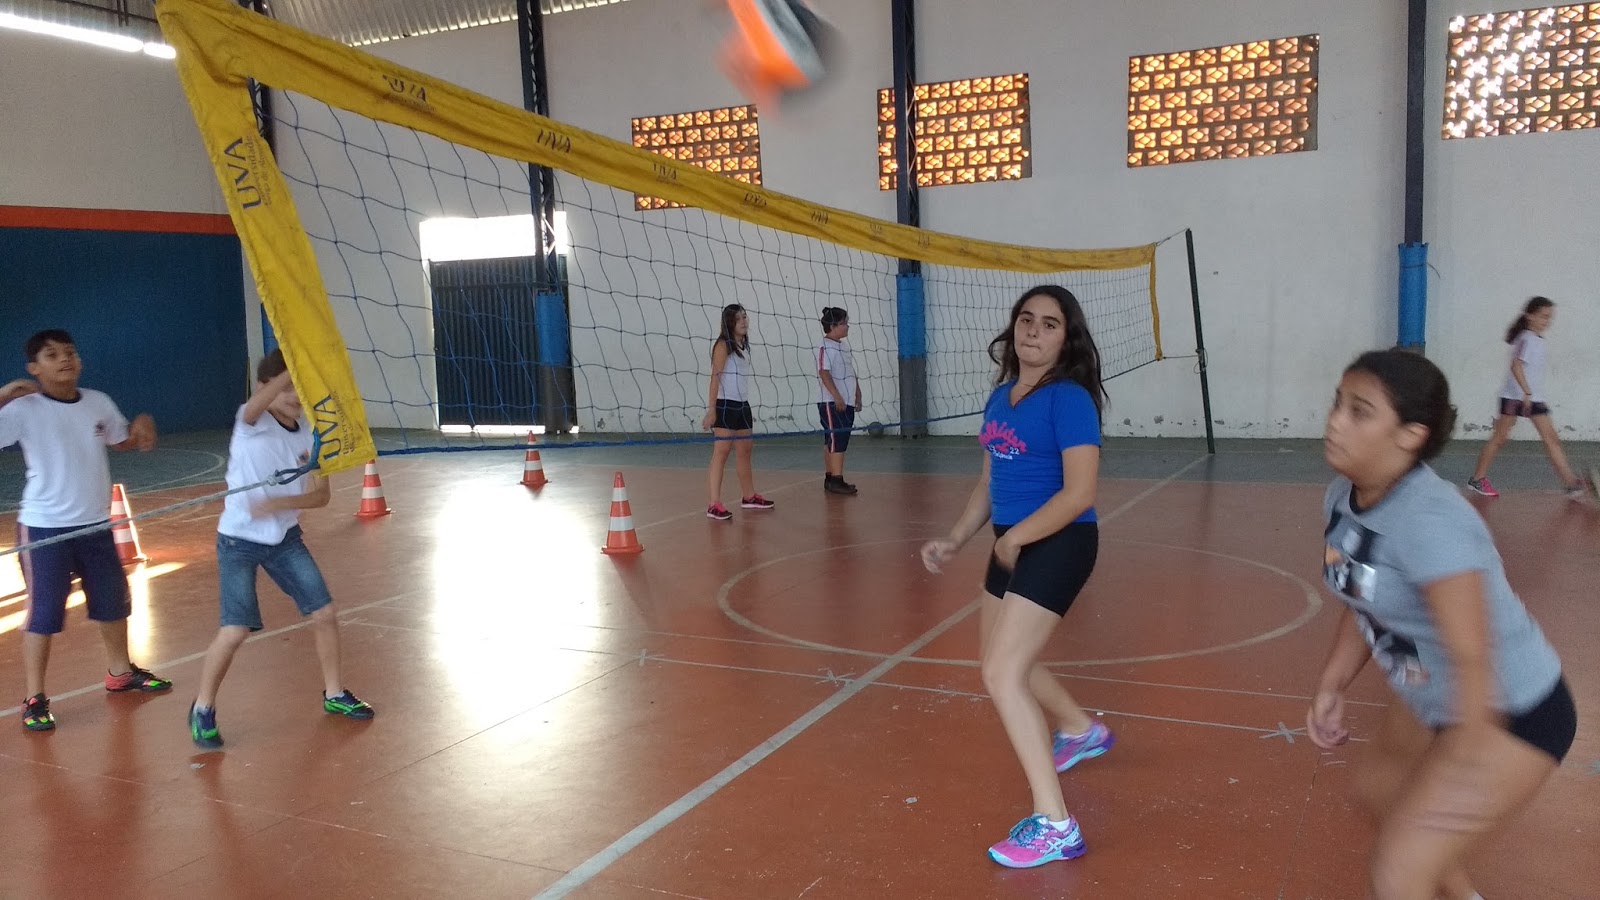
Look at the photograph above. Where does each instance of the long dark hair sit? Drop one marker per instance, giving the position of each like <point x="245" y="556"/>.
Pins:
<point x="730" y="320"/>
<point x="1079" y="360"/>
<point x="1418" y="391"/>
<point x="1521" y="324"/>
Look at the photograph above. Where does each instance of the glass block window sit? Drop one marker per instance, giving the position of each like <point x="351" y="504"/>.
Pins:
<point x="1525" y="71"/>
<point x="726" y="141"/>
<point x="966" y="131"/>
<point x="1252" y="99"/>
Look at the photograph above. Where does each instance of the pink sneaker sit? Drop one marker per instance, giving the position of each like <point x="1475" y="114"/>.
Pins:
<point x="1069" y="750"/>
<point x="718" y="512"/>
<point x="756" y="501"/>
<point x="1483" y="486"/>
<point x="1034" y="842"/>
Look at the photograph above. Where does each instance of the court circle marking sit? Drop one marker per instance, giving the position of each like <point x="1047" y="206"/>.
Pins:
<point x="1313" y="605"/>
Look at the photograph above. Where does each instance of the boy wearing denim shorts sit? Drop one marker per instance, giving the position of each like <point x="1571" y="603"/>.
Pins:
<point x="260" y="528"/>
<point x="64" y="432"/>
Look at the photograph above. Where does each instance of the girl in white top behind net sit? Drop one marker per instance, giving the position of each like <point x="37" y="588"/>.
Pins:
<point x="728" y="413"/>
<point x="1523" y="396"/>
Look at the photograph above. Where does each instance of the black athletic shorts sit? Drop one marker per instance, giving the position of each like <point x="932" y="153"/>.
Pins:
<point x="1050" y="571"/>
<point x="1509" y="407"/>
<point x="734" y="415"/>
<point x="1550" y="726"/>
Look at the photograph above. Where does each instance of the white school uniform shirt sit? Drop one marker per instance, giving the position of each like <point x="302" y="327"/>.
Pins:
<point x="1532" y="350"/>
<point x="64" y="445"/>
<point x="254" y="453"/>
<point x="834" y="356"/>
<point x="734" y="383"/>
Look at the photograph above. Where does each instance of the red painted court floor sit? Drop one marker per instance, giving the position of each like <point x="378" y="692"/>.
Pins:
<point x="781" y="706"/>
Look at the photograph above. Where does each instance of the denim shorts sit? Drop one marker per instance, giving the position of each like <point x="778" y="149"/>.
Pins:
<point x="288" y="564"/>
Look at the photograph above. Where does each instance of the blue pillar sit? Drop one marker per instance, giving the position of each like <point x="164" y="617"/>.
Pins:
<point x="556" y="406"/>
<point x="1413" y="296"/>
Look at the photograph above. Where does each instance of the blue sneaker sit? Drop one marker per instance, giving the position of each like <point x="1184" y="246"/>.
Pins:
<point x="1034" y="842"/>
<point x="203" y="728"/>
<point x="1069" y="750"/>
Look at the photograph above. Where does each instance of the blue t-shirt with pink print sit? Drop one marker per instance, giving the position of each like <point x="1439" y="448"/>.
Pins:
<point x="1025" y="443"/>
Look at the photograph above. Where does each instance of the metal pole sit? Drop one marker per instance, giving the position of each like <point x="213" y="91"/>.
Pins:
<point x="555" y="387"/>
<point x="1200" y="343"/>
<point x="910" y="289"/>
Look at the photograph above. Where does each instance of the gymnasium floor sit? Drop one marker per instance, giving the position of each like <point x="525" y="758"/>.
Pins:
<point x="781" y="706"/>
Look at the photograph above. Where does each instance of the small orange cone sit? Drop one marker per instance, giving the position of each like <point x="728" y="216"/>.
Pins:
<point x="122" y="528"/>
<point x="532" y="467"/>
<point x="372" y="503"/>
<point x="621" y="538"/>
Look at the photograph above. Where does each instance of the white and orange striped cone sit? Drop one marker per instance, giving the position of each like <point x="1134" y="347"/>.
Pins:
<point x="372" y="503"/>
<point x="621" y="539"/>
<point x="532" y="467"/>
<point x="122" y="528"/>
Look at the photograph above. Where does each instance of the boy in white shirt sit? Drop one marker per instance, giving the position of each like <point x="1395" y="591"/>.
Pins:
<point x="64" y="431"/>
<point x="838" y="398"/>
<point x="260" y="529"/>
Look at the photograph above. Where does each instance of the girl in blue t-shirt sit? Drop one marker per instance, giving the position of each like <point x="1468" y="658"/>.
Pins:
<point x="1041" y="436"/>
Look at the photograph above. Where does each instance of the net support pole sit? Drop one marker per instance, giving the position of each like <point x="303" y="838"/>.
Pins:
<point x="261" y="102"/>
<point x="1200" y="344"/>
<point x="1413" y="252"/>
<point x="910" y="296"/>
<point x="554" y="387"/>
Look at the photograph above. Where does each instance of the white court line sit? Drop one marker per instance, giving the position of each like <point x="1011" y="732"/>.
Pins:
<point x="170" y="663"/>
<point x="642" y="832"/>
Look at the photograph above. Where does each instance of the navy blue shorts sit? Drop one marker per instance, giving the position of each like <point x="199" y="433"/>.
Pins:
<point x="288" y="564"/>
<point x="48" y="572"/>
<point x="837" y="425"/>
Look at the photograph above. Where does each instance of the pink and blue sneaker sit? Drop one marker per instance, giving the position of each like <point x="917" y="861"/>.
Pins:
<point x="1035" y="841"/>
<point x="1070" y="750"/>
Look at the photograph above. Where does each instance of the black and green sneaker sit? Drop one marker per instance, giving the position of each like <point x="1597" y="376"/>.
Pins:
<point x="203" y="728"/>
<point x="36" y="714"/>
<point x="348" y="705"/>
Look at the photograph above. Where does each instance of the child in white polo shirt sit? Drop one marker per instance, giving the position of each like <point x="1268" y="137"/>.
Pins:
<point x="260" y="529"/>
<point x="64" y="430"/>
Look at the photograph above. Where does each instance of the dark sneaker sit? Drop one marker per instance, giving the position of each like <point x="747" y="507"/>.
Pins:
<point x="203" y="728"/>
<point x="136" y="679"/>
<point x="835" y="484"/>
<point x="718" y="512"/>
<point x="756" y="501"/>
<point x="36" y="714"/>
<point x="347" y="705"/>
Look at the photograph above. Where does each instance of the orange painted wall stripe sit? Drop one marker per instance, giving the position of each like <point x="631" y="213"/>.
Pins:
<point x="114" y="220"/>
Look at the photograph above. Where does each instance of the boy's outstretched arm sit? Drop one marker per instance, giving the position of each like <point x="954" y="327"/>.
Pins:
<point x="19" y="388"/>
<point x="141" y="434"/>
<point x="264" y="394"/>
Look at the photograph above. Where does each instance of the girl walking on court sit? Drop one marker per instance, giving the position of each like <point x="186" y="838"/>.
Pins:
<point x="1484" y="715"/>
<point x="1041" y="440"/>
<point x="728" y="413"/>
<point x="1523" y="396"/>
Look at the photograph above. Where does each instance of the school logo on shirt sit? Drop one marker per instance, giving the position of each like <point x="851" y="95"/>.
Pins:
<point x="100" y="430"/>
<point x="1347" y="569"/>
<point x="1001" y="441"/>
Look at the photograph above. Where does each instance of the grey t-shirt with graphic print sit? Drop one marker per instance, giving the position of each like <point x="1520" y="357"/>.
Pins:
<point x="1379" y="560"/>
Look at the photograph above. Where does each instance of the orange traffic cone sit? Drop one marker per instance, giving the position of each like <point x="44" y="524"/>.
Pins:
<point x="122" y="528"/>
<point x="532" y="468"/>
<point x="621" y="538"/>
<point x="372" y="503"/>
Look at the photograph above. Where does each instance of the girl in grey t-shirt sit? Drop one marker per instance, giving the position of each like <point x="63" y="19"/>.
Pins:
<point x="1484" y="715"/>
